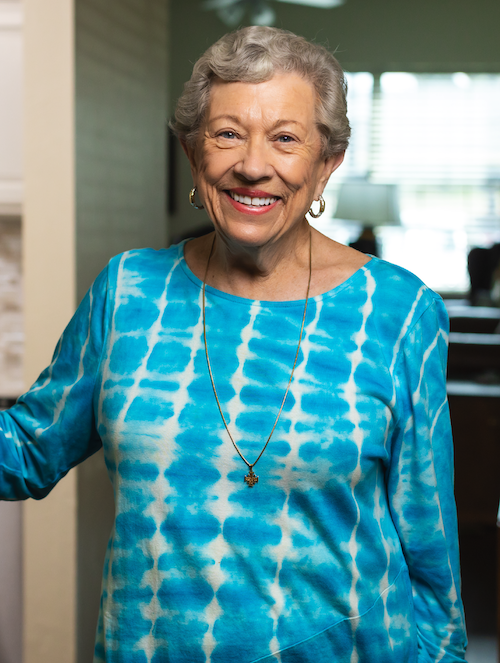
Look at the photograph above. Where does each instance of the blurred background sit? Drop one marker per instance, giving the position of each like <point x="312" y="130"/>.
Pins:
<point x="88" y="169"/>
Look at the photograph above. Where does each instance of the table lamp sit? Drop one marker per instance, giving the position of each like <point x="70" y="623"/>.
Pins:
<point x="370" y="205"/>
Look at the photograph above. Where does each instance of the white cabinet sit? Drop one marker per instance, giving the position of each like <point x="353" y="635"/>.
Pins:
<point x="11" y="97"/>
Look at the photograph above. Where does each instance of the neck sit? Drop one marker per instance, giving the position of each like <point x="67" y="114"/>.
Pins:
<point x="261" y="272"/>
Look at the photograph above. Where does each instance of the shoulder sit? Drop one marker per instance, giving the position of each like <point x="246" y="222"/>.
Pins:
<point x="145" y="261"/>
<point x="401" y="301"/>
<point x="400" y="290"/>
<point x="143" y="268"/>
<point x="139" y="273"/>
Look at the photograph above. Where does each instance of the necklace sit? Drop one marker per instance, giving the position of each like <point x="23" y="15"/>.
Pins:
<point x="251" y="478"/>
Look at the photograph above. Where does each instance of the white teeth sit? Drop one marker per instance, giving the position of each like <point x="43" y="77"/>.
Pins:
<point x="255" y="202"/>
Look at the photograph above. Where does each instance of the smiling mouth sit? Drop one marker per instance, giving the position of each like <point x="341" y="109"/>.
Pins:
<point x="252" y="202"/>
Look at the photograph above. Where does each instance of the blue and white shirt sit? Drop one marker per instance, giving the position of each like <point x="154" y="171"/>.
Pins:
<point x="345" y="550"/>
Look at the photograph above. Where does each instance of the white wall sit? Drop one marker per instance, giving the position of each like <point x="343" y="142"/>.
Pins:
<point x="49" y="526"/>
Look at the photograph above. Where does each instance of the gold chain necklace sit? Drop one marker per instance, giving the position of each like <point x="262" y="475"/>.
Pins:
<point x="251" y="478"/>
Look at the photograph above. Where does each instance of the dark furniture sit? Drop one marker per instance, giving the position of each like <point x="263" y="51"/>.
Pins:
<point x="474" y="398"/>
<point x="473" y="319"/>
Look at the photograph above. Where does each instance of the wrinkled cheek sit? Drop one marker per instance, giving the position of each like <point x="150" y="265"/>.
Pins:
<point x="213" y="208"/>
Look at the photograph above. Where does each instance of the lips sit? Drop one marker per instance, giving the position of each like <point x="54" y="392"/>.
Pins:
<point x="253" y="200"/>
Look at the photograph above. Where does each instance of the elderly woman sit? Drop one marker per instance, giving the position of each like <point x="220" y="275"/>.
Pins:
<point x="272" y="404"/>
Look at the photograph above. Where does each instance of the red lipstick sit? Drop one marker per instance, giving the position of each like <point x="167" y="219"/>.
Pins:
<point x="246" y="209"/>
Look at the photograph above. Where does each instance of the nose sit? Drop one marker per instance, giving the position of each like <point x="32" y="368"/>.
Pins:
<point x="254" y="163"/>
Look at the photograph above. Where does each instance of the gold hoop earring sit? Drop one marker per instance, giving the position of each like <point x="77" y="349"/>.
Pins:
<point x="192" y="201"/>
<point x="321" y="201"/>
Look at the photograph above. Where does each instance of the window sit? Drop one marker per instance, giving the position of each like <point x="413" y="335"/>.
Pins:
<point x="438" y="137"/>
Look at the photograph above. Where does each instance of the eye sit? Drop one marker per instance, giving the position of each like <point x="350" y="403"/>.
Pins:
<point x="226" y="134"/>
<point x="286" y="138"/>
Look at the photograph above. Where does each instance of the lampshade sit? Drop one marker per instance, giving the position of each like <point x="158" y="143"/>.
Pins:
<point x="369" y="204"/>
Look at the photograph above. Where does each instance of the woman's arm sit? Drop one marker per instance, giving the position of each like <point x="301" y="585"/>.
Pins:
<point x="51" y="428"/>
<point x="420" y="488"/>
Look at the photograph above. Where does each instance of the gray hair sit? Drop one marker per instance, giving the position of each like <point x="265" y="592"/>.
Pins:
<point x="254" y="55"/>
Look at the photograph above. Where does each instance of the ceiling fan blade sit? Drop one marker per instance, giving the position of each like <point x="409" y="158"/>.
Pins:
<point x="324" y="4"/>
<point x="219" y="4"/>
<point x="264" y="15"/>
<point x="231" y="16"/>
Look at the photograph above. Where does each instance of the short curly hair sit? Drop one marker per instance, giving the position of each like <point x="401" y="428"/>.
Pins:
<point x="254" y="55"/>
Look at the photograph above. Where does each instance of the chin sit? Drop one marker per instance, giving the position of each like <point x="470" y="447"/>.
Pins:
<point x="246" y="234"/>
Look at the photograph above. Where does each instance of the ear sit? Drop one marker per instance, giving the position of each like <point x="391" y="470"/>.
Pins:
<point x="329" y="166"/>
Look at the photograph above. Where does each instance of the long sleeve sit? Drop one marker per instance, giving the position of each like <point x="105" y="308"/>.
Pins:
<point x="420" y="488"/>
<point x="51" y="428"/>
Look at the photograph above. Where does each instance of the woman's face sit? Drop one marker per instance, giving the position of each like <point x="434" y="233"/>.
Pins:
<point x="257" y="163"/>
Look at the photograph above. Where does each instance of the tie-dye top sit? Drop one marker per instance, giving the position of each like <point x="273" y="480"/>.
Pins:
<point x="346" y="548"/>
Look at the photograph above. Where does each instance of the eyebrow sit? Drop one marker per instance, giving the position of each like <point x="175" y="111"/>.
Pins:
<point x="233" y="118"/>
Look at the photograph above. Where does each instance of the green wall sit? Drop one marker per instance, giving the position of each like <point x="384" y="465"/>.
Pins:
<point x="121" y="76"/>
<point x="367" y="35"/>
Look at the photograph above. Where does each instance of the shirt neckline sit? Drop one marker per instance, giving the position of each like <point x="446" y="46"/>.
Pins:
<point x="270" y="303"/>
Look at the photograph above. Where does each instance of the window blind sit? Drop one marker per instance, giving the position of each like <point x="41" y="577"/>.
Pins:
<point x="435" y="129"/>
